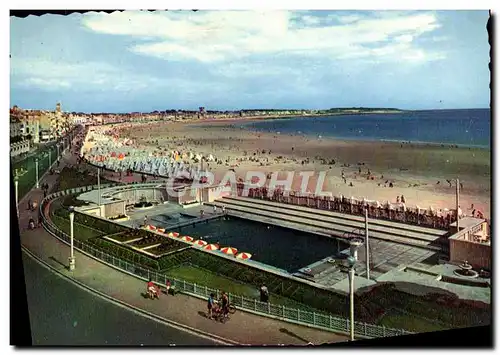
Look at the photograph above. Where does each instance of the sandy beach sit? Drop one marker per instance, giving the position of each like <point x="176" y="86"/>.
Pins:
<point x="413" y="169"/>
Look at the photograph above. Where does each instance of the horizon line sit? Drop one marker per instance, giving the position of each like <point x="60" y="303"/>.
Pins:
<point x="263" y="109"/>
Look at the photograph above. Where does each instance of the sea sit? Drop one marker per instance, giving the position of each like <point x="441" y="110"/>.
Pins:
<point x="465" y="127"/>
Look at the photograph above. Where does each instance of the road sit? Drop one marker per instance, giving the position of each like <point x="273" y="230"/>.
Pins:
<point x="63" y="314"/>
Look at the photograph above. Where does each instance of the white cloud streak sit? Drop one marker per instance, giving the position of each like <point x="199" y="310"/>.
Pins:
<point x="52" y="76"/>
<point x="217" y="36"/>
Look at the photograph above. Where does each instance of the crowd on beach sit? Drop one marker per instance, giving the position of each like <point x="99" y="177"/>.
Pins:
<point x="163" y="150"/>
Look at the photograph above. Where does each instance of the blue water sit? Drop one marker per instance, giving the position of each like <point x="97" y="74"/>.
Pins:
<point x="461" y="127"/>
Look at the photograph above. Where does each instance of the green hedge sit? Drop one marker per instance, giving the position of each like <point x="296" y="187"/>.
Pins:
<point x="81" y="232"/>
<point x="97" y="223"/>
<point x="125" y="253"/>
<point x="175" y="259"/>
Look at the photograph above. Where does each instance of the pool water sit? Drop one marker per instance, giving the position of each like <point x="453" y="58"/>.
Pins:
<point x="163" y="220"/>
<point x="276" y="246"/>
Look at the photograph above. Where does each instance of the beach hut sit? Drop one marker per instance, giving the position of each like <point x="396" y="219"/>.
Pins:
<point x="229" y="250"/>
<point x="151" y="227"/>
<point x="174" y="234"/>
<point x="113" y="154"/>
<point x="161" y="230"/>
<point x="211" y="247"/>
<point x="187" y="238"/>
<point x="199" y="243"/>
<point x="244" y="256"/>
<point x="121" y="156"/>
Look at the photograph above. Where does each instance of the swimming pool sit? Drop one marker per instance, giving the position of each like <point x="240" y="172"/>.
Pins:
<point x="283" y="248"/>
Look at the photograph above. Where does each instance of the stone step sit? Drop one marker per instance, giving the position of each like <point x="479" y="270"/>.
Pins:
<point x="335" y="220"/>
<point x="381" y="222"/>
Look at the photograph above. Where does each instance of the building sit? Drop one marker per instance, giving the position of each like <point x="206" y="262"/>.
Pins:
<point x="78" y="119"/>
<point x="471" y="243"/>
<point x="22" y="147"/>
<point x="14" y="126"/>
<point x="46" y="135"/>
<point x="32" y="124"/>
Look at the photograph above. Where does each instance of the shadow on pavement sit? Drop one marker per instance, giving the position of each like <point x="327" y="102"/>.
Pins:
<point x="292" y="334"/>
<point x="60" y="263"/>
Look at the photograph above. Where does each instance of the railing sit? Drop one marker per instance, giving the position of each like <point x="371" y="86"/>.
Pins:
<point x="288" y="314"/>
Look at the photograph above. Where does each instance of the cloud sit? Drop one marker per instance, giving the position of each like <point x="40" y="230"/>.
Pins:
<point x="50" y="76"/>
<point x="348" y="18"/>
<point x="218" y="36"/>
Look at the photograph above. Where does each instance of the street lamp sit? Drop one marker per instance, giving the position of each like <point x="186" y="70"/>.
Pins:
<point x="367" y="245"/>
<point x="50" y="157"/>
<point x="36" y="172"/>
<point x="99" y="189"/>
<point x="351" y="261"/>
<point x="72" y="256"/>
<point x="57" y="145"/>
<point x="16" y="185"/>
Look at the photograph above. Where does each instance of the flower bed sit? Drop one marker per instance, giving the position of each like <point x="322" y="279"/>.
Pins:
<point x="165" y="247"/>
<point x="150" y="240"/>
<point x="123" y="237"/>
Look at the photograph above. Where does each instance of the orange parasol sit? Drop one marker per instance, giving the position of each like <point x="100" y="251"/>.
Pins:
<point x="229" y="250"/>
<point x="200" y="243"/>
<point x="244" y="256"/>
<point x="211" y="247"/>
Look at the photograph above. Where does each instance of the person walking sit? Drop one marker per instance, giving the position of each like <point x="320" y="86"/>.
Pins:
<point x="167" y="286"/>
<point x="210" y="305"/>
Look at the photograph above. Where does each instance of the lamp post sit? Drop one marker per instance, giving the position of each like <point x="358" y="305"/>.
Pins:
<point x="99" y="189"/>
<point x="36" y="172"/>
<point x="57" y="145"/>
<point x="16" y="185"/>
<point x="50" y="158"/>
<point x="367" y="248"/>
<point x="72" y="256"/>
<point x="351" y="261"/>
<point x="457" y="203"/>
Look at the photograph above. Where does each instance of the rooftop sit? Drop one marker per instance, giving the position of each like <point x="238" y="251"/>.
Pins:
<point x="468" y="222"/>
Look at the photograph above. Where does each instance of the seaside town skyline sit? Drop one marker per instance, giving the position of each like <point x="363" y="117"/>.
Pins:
<point x="153" y="61"/>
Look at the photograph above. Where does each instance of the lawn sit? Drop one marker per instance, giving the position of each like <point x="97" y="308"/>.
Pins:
<point x="204" y="277"/>
<point x="412" y="323"/>
<point x="80" y="231"/>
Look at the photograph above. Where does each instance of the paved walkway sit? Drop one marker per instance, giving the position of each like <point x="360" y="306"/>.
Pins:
<point x="243" y="328"/>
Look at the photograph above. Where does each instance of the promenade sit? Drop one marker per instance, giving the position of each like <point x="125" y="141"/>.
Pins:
<point x="182" y="310"/>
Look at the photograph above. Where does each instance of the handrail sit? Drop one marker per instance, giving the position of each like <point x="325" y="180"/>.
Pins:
<point x="292" y="315"/>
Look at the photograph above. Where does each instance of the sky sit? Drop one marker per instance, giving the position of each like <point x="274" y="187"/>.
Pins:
<point x="222" y="60"/>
